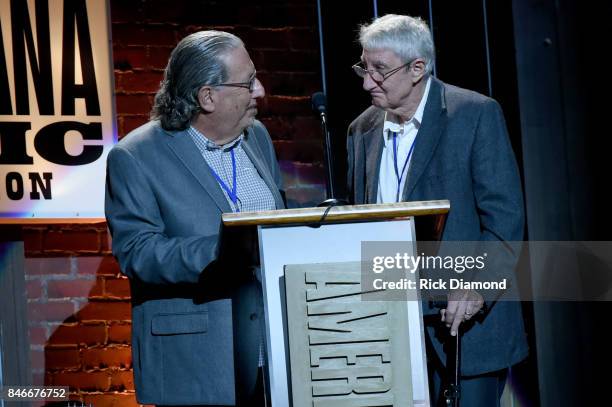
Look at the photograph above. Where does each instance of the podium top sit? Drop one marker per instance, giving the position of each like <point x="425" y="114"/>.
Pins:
<point x="337" y="213"/>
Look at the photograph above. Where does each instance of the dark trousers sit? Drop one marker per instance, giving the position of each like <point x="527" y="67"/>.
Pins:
<point x="255" y="399"/>
<point x="476" y="391"/>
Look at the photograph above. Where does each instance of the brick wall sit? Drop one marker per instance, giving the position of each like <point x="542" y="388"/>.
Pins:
<point x="78" y="302"/>
<point x="78" y="314"/>
<point x="282" y="39"/>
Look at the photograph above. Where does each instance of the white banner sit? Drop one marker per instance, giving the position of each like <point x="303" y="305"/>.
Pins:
<point x="57" y="120"/>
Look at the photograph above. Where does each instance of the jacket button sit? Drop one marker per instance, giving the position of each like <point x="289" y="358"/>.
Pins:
<point x="253" y="317"/>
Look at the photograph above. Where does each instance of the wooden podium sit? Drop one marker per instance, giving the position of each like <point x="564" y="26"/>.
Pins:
<point x="294" y="240"/>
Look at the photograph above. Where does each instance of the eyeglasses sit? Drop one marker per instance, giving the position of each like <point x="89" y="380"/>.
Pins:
<point x="377" y="76"/>
<point x="250" y="85"/>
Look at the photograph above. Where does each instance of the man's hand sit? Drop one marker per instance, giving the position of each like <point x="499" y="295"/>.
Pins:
<point x="462" y="305"/>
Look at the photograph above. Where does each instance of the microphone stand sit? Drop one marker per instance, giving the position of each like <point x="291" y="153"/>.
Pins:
<point x="330" y="201"/>
<point x="329" y="175"/>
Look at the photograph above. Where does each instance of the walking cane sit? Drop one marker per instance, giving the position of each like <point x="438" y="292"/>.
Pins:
<point x="453" y="393"/>
<point x="453" y="364"/>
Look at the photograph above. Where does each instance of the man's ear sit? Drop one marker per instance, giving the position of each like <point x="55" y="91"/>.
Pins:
<point x="206" y="99"/>
<point x="418" y="70"/>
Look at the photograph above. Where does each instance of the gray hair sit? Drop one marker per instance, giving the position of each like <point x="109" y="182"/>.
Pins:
<point x="196" y="61"/>
<point x="408" y="37"/>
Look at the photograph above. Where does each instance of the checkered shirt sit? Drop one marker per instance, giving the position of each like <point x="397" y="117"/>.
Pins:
<point x="253" y="193"/>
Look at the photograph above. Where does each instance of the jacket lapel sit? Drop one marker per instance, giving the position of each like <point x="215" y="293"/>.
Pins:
<point x="433" y="124"/>
<point x="254" y="154"/>
<point x="181" y="144"/>
<point x="374" y="143"/>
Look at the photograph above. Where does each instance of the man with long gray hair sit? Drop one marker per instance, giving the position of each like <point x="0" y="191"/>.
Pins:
<point x="423" y="139"/>
<point x="196" y="313"/>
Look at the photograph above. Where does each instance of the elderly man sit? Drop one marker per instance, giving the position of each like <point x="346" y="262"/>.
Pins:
<point x="196" y="333"/>
<point x="421" y="140"/>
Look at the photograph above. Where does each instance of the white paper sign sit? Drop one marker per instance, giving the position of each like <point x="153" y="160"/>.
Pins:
<point x="57" y="119"/>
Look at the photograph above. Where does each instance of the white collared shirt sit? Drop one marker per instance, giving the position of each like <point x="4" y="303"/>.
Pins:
<point x="406" y="136"/>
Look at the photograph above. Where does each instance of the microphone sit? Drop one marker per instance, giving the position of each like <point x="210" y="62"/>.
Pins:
<point x="319" y="104"/>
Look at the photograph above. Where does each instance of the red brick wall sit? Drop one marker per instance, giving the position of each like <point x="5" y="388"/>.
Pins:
<point x="78" y="314"/>
<point x="78" y="302"/>
<point x="282" y="39"/>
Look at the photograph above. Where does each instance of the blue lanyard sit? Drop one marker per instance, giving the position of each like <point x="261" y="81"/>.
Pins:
<point x="398" y="174"/>
<point x="230" y="192"/>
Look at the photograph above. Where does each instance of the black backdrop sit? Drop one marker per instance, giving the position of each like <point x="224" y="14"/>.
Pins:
<point x="543" y="60"/>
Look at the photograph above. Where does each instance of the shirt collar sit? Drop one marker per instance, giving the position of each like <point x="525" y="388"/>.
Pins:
<point x="211" y="145"/>
<point x="390" y="126"/>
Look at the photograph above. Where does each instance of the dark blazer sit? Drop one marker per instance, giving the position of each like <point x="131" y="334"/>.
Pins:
<point x="462" y="154"/>
<point x="195" y="320"/>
